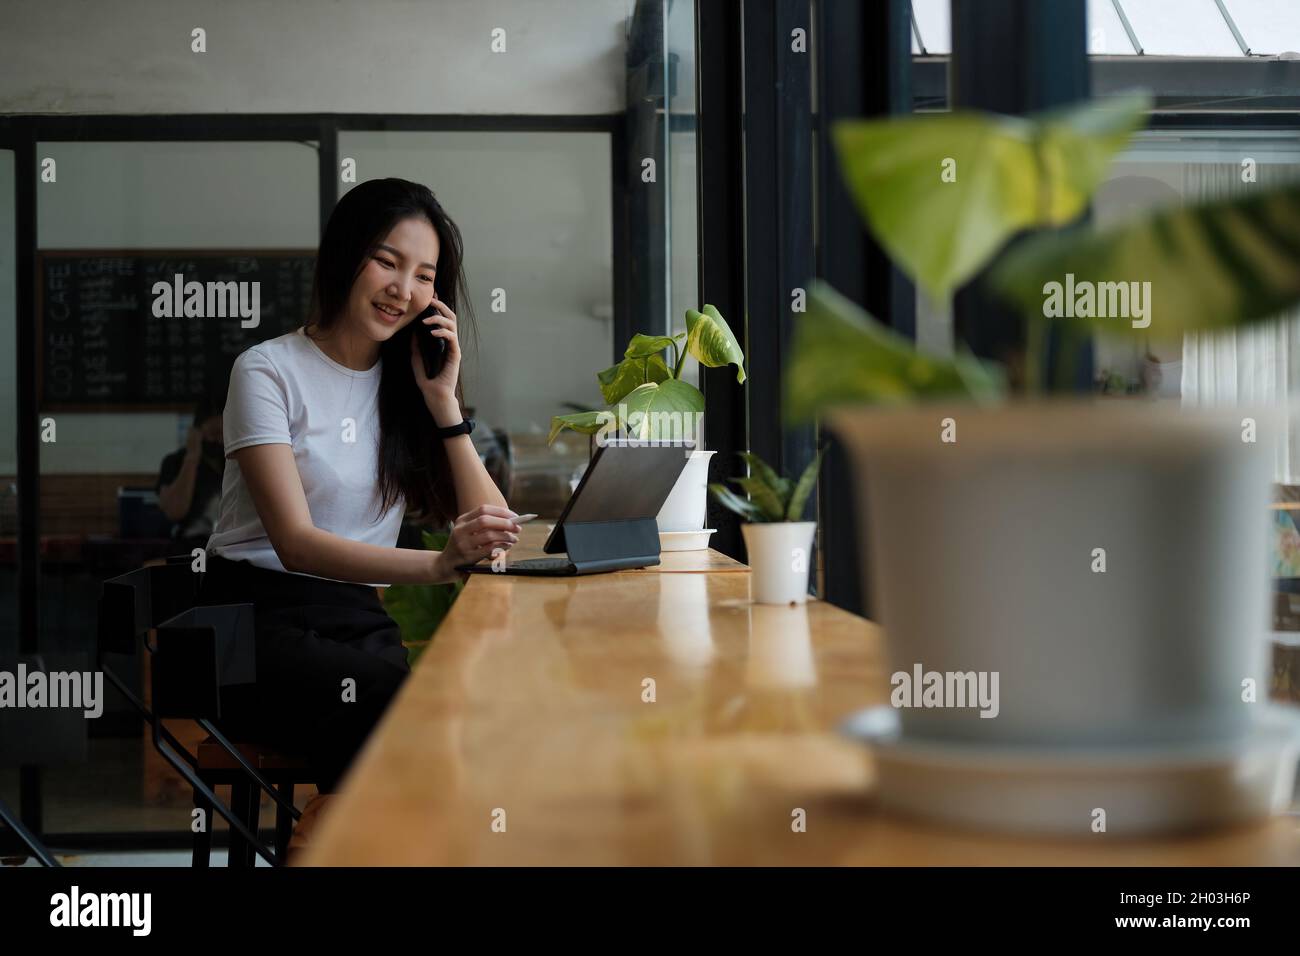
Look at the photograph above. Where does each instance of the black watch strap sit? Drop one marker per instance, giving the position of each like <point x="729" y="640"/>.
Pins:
<point x="451" y="431"/>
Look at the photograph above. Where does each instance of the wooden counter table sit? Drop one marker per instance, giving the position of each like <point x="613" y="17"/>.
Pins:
<point x="527" y="711"/>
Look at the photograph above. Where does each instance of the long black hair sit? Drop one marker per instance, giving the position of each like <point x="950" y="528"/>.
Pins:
<point x="412" y="462"/>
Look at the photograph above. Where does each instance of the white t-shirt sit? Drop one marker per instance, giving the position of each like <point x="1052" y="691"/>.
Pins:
<point x="287" y="391"/>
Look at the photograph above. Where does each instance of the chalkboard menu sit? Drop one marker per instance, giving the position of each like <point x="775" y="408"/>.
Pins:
<point x="113" y="339"/>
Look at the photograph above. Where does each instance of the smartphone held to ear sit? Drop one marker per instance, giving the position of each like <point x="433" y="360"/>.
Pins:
<point x="433" y="349"/>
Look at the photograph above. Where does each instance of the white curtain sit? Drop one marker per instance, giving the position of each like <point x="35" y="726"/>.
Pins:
<point x="1254" y="366"/>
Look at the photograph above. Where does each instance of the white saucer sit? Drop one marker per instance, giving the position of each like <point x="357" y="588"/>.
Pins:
<point x="1143" y="790"/>
<point x="685" y="540"/>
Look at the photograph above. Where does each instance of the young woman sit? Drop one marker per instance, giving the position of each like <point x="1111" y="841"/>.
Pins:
<point x="332" y="432"/>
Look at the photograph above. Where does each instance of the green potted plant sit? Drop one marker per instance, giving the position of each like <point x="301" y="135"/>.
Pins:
<point x="418" y="609"/>
<point x="1106" y="559"/>
<point x="778" y="542"/>
<point x="646" y="398"/>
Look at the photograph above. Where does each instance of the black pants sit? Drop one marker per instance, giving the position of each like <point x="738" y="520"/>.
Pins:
<point x="329" y="661"/>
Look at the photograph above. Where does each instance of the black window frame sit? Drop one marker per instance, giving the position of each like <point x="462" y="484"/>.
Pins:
<point x="22" y="134"/>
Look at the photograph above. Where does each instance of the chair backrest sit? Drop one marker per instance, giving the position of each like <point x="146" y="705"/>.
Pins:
<point x="196" y="654"/>
<point x="131" y="603"/>
<point x="198" y="649"/>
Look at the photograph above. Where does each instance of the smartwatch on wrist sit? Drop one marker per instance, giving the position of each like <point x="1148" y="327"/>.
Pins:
<point x="451" y="431"/>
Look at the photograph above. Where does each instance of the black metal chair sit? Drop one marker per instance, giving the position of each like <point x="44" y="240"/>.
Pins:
<point x="198" y="650"/>
<point x="217" y="766"/>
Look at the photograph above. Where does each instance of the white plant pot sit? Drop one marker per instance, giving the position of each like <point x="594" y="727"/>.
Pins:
<point x="983" y="557"/>
<point x="778" y="560"/>
<point x="687" y="503"/>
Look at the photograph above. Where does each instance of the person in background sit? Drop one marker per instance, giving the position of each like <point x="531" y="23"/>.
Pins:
<point x="189" y="480"/>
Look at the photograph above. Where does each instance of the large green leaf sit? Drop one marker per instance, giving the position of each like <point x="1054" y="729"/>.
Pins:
<point x="1075" y="146"/>
<point x="585" y="423"/>
<point x="663" y="410"/>
<point x="711" y="341"/>
<point x="1218" y="264"/>
<point x="944" y="192"/>
<point x="807" y="481"/>
<point x="643" y="345"/>
<point x="841" y="355"/>
<point x="617" y="380"/>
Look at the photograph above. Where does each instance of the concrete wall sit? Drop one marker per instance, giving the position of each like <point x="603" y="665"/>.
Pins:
<point x="329" y="56"/>
<point x="535" y="207"/>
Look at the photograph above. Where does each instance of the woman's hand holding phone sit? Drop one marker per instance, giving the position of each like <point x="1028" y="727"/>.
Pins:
<point x="474" y="536"/>
<point x="437" y="322"/>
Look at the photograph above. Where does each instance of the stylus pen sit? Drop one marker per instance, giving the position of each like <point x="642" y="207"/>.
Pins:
<point x="524" y="519"/>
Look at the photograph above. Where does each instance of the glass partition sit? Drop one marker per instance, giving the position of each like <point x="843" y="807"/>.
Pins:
<point x="120" y="383"/>
<point x="118" y="394"/>
<point x="1165" y="167"/>
<point x="683" y="221"/>
<point x="8" y="444"/>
